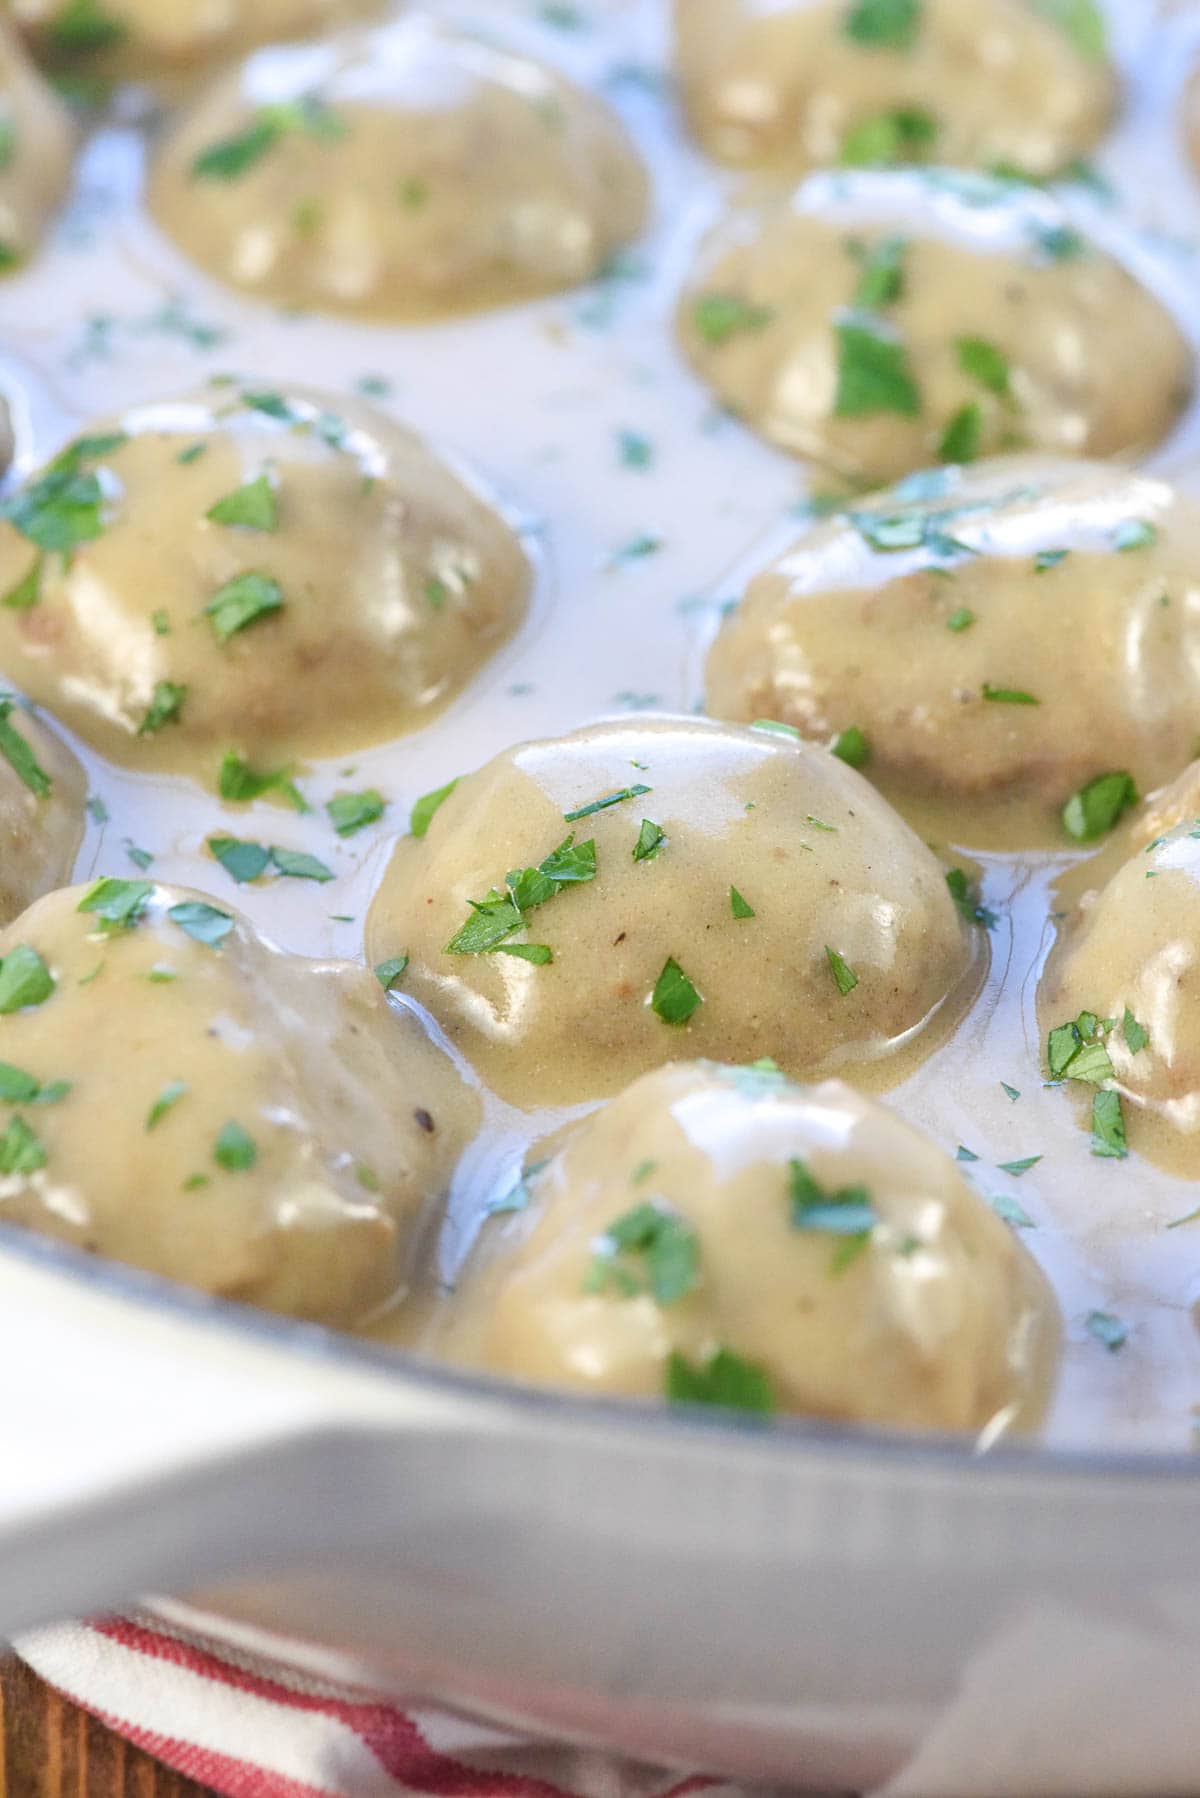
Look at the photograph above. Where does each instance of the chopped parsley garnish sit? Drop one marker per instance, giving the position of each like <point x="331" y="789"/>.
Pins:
<point x="1108" y="1126"/>
<point x="602" y="805"/>
<point x="882" y="278"/>
<point x="1059" y="243"/>
<point x="425" y="807"/>
<point x="901" y="134"/>
<point x="720" y="316"/>
<point x="779" y="730"/>
<point x="634" y="450"/>
<point x="961" y="439"/>
<point x="848" y="1211"/>
<point x="844" y="977"/>
<point x="740" y="907"/>
<point x="1012" y="1211"/>
<point x="161" y="621"/>
<point x="1049" y="558"/>
<point x="1107" y="1329"/>
<point x="141" y="858"/>
<point x="118" y="904"/>
<point x="1076" y="1051"/>
<point x="271" y="405"/>
<point x="883" y="24"/>
<point x="252" y="507"/>
<point x="20" y="757"/>
<point x="349" y="812"/>
<point x="985" y="362"/>
<point x="239" y="782"/>
<point x="965" y="894"/>
<point x="1135" y="533"/>
<point x="166" y="703"/>
<point x="387" y="973"/>
<point x="168" y="1097"/>
<point x="724" y="1380"/>
<point x="873" y="375"/>
<point x="1081" y="20"/>
<point x="648" y="1249"/>
<point x="295" y="864"/>
<point x="1011" y="1093"/>
<point x="28" y="590"/>
<point x="1136" y="1035"/>
<point x="1008" y="695"/>
<point x="962" y="1154"/>
<point x="83" y="27"/>
<point x="234" y="1149"/>
<point x="232" y="157"/>
<point x="242" y="861"/>
<point x="1017" y="1168"/>
<point x="961" y="619"/>
<point x="240" y="601"/>
<point x="674" y="998"/>
<point x="24" y="980"/>
<point x="540" y="954"/>
<point x="851" y="746"/>
<point x="21" y="1152"/>
<point x="203" y="922"/>
<point x="191" y="454"/>
<point x="1096" y="808"/>
<point x="651" y="838"/>
<point x="64" y="506"/>
<point x="501" y="914"/>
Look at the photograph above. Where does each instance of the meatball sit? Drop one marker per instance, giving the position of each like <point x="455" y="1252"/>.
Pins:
<point x="805" y="82"/>
<point x="1119" y="1002"/>
<point x="875" y="322"/>
<point x="1001" y="636"/>
<point x="586" y="908"/>
<point x="183" y="1097"/>
<point x="160" y="38"/>
<point x="719" y="1234"/>
<point x="37" y="143"/>
<point x="405" y="172"/>
<point x="262" y="569"/>
<point x="42" y="794"/>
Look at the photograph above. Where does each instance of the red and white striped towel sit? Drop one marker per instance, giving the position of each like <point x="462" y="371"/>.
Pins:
<point x="248" y="1728"/>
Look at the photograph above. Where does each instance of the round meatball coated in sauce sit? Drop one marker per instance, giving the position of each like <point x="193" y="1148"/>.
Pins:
<point x="196" y="1103"/>
<point x="585" y="908"/>
<point x="404" y="173"/>
<point x="42" y="793"/>
<point x="877" y="322"/>
<point x="798" y="83"/>
<point x="159" y="38"/>
<point x="1002" y="636"/>
<point x="37" y="145"/>
<point x="274" y="571"/>
<point x="718" y="1234"/>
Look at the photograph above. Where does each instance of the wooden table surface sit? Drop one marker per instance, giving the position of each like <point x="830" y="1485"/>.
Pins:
<point x="53" y="1750"/>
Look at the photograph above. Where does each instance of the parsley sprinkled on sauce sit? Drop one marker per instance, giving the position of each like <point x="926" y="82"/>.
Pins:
<point x="720" y="316"/>
<point x="1049" y="558"/>
<point x="351" y="812"/>
<point x="21" y="1151"/>
<point x="19" y="755"/>
<point x="1081" y="20"/>
<point x="161" y="621"/>
<point x="961" y="439"/>
<point x="740" y="907"/>
<point x="1017" y="1168"/>
<point x="844" y="977"/>
<point x="1135" y="533"/>
<point x="873" y="374"/>
<point x="1096" y="808"/>
<point x="250" y="508"/>
<point x="965" y="894"/>
<point x="202" y="922"/>
<point x="851" y="746"/>
<point x="1076" y="1051"/>
<point x="1011" y="1093"/>
<point x="1008" y="695"/>
<point x="387" y="973"/>
<point x="235" y="1150"/>
<point x="271" y="405"/>
<point x="1108" y="1126"/>
<point x="191" y="454"/>
<point x="167" y="1098"/>
<point x="651" y="838"/>
<point x="1059" y="243"/>
<point x="1136" y="1035"/>
<point x="166" y="704"/>
<point x="118" y="904"/>
<point x="240" y="783"/>
<point x="724" y="1380"/>
<point x="232" y="157"/>
<point x="985" y="362"/>
<point x="28" y="590"/>
<point x="846" y="1212"/>
<point x="650" y="1249"/>
<point x="501" y="914"/>
<point x="602" y="805"/>
<point x="779" y="730"/>
<point x="634" y="450"/>
<point x="901" y="134"/>
<point x="962" y="1154"/>
<point x="141" y="858"/>
<point x="64" y="506"/>
<point x="882" y="278"/>
<point x="414" y="194"/>
<point x="25" y="980"/>
<point x="1012" y="1211"/>
<point x="1107" y="1329"/>
<point x="674" y="999"/>
<point x="242" y="861"/>
<point x="425" y="808"/>
<point x="84" y="27"/>
<point x="961" y="619"/>
<point x="883" y="24"/>
<point x="296" y="864"/>
<point x="240" y="601"/>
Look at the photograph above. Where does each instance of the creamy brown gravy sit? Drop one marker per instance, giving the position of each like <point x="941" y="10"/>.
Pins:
<point x="992" y="83"/>
<point x="387" y="581"/>
<point x="438" y="175"/>
<point x="1084" y="360"/>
